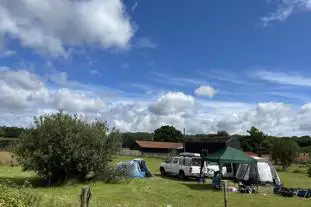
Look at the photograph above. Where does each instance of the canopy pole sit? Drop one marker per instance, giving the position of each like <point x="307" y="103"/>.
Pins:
<point x="220" y="177"/>
<point x="257" y="175"/>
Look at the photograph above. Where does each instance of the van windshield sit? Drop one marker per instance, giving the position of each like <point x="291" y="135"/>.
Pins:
<point x="196" y="161"/>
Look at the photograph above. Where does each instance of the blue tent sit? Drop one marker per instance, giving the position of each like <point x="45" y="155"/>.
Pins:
<point x="136" y="168"/>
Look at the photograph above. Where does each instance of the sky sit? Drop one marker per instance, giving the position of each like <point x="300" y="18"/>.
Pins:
<point x="205" y="66"/>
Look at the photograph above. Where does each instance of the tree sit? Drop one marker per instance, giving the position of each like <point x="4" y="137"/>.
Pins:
<point x="128" y="138"/>
<point x="2" y="132"/>
<point x="61" y="147"/>
<point x="285" y="150"/>
<point x="167" y="134"/>
<point x="223" y="134"/>
<point x="256" y="137"/>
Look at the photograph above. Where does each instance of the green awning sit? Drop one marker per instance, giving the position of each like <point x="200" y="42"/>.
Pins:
<point x="230" y="155"/>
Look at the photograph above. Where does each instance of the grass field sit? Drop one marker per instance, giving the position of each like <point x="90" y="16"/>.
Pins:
<point x="158" y="191"/>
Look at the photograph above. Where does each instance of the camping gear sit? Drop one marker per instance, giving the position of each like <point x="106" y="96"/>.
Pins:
<point x="216" y="180"/>
<point x="262" y="172"/>
<point x="229" y="155"/>
<point x="136" y="168"/>
<point x="304" y="193"/>
<point x="277" y="189"/>
<point x="287" y="192"/>
<point x="143" y="167"/>
<point x="246" y="188"/>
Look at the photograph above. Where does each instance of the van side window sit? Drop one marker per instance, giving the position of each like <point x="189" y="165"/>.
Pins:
<point x="187" y="161"/>
<point x="170" y="160"/>
<point x="175" y="161"/>
<point x="182" y="161"/>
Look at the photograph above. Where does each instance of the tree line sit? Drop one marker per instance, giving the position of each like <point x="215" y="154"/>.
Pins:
<point x="60" y="147"/>
<point x="11" y="132"/>
<point x="254" y="141"/>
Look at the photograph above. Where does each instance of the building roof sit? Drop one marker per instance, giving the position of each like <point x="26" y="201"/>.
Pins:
<point x="159" y="145"/>
<point x="303" y="157"/>
<point x="251" y="154"/>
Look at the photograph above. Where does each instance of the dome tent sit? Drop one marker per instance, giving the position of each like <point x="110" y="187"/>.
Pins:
<point x="263" y="172"/>
<point x="136" y="168"/>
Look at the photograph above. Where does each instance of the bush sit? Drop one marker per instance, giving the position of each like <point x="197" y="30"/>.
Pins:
<point x="10" y="197"/>
<point x="297" y="171"/>
<point x="61" y="147"/>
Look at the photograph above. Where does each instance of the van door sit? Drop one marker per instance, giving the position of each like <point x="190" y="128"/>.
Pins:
<point x="174" y="166"/>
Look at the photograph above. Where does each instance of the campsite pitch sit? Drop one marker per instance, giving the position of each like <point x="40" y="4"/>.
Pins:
<point x="163" y="191"/>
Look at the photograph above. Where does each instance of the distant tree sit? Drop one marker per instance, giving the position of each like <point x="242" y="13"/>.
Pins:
<point x="285" y="150"/>
<point x="2" y="132"/>
<point x="62" y="147"/>
<point x="256" y="137"/>
<point x="167" y="134"/>
<point x="223" y="134"/>
<point x="12" y="132"/>
<point x="128" y="138"/>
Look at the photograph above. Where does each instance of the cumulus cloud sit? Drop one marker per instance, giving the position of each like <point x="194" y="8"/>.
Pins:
<point x="23" y="91"/>
<point x="205" y="90"/>
<point x="51" y="25"/>
<point x="285" y="9"/>
<point x="24" y="94"/>
<point x="171" y="103"/>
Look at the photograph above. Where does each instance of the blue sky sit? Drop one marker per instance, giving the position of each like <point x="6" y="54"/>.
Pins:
<point x="146" y="54"/>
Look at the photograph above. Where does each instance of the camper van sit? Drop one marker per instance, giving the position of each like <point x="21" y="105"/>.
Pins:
<point x="188" y="165"/>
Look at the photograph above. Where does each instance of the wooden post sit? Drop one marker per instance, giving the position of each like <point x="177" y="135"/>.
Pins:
<point x="85" y="196"/>
<point x="225" y="186"/>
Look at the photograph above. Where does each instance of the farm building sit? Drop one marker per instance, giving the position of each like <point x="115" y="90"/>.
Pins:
<point x="157" y="147"/>
<point x="212" y="144"/>
<point x="303" y="158"/>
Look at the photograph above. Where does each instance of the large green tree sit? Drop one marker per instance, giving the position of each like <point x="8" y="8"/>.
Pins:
<point x="128" y="138"/>
<point x="61" y="147"/>
<point x="167" y="134"/>
<point x="256" y="137"/>
<point x="285" y="150"/>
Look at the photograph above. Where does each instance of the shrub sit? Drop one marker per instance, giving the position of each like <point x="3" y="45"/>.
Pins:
<point x="10" y="197"/>
<point x="297" y="171"/>
<point x="61" y="147"/>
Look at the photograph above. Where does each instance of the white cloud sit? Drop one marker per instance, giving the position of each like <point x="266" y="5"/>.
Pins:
<point x="24" y="94"/>
<point x="52" y="25"/>
<point x="171" y="103"/>
<point x="177" y="81"/>
<point x="9" y="53"/>
<point x="283" y="78"/>
<point x="21" y="90"/>
<point x="144" y="42"/>
<point x="285" y="9"/>
<point x="205" y="90"/>
<point x="95" y="72"/>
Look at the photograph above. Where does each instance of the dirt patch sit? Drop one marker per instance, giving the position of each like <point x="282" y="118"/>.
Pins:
<point x="6" y="158"/>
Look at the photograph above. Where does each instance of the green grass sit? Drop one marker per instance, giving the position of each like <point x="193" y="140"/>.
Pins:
<point x="158" y="191"/>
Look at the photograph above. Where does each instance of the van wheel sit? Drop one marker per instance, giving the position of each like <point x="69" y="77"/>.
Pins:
<point x="162" y="171"/>
<point x="181" y="175"/>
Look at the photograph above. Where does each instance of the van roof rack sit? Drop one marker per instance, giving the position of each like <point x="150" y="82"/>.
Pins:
<point x="189" y="154"/>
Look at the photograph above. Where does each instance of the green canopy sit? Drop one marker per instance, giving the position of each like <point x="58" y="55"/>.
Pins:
<point x="229" y="155"/>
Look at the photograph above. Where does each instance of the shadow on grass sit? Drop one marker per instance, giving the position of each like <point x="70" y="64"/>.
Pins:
<point x="196" y="186"/>
<point x="171" y="177"/>
<point x="34" y="182"/>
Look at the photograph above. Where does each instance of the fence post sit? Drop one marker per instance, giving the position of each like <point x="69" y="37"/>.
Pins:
<point x="85" y="196"/>
<point x="225" y="186"/>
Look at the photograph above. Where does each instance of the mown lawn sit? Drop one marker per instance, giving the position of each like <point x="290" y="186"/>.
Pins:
<point x="158" y="191"/>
